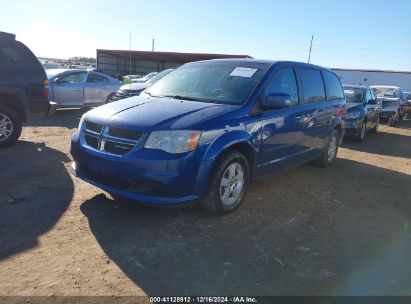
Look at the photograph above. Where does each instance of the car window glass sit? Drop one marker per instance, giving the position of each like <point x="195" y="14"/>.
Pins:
<point x="9" y="58"/>
<point x="313" y="87"/>
<point x="72" y="78"/>
<point x="333" y="87"/>
<point x="283" y="81"/>
<point x="368" y="95"/>
<point x="95" y="78"/>
<point x="354" y="94"/>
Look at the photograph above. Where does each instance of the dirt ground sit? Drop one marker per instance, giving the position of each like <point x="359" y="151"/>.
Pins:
<point x="345" y="230"/>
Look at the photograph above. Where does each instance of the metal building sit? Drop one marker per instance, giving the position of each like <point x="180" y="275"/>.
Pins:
<point x="117" y="62"/>
<point x="375" y="77"/>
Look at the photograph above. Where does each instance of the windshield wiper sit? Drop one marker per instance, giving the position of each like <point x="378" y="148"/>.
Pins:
<point x="180" y="97"/>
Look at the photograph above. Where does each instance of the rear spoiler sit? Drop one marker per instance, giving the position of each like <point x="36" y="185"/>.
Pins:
<point x="8" y="36"/>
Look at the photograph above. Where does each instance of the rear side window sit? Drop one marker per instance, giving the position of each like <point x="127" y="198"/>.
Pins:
<point x="10" y="59"/>
<point x="333" y="87"/>
<point x="95" y="78"/>
<point x="313" y="87"/>
<point x="283" y="81"/>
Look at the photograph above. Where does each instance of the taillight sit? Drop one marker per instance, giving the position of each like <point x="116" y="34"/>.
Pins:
<point x="46" y="89"/>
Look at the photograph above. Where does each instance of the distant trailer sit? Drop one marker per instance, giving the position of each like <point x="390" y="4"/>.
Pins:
<point x="375" y="77"/>
<point x="124" y="62"/>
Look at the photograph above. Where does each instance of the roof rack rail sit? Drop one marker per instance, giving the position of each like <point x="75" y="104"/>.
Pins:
<point x="8" y="36"/>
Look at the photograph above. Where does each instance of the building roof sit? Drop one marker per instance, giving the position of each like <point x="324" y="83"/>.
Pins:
<point x="168" y="56"/>
<point x="371" y="70"/>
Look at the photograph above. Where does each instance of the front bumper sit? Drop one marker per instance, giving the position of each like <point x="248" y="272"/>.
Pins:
<point x="353" y="126"/>
<point x="149" y="176"/>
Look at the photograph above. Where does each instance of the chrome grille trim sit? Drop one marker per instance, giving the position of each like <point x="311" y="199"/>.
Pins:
<point x="124" y="145"/>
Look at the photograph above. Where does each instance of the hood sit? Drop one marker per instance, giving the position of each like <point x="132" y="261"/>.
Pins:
<point x="146" y="114"/>
<point x="352" y="106"/>
<point x="134" y="86"/>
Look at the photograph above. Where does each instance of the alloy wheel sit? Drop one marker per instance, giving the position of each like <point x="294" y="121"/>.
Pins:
<point x="332" y="148"/>
<point x="232" y="184"/>
<point x="6" y="127"/>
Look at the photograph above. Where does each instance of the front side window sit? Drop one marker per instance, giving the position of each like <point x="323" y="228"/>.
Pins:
<point x="283" y="81"/>
<point x="333" y="87"/>
<point x="313" y="87"/>
<point x="354" y="94"/>
<point x="72" y="78"/>
<point x="218" y="82"/>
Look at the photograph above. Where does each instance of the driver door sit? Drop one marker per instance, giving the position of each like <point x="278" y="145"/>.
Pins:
<point x="69" y="89"/>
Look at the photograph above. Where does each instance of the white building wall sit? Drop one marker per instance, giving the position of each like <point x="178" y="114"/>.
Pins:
<point x="368" y="78"/>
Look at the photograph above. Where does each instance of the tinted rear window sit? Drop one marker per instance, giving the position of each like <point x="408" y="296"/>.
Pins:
<point x="332" y="86"/>
<point x="16" y="56"/>
<point x="313" y="87"/>
<point x="10" y="59"/>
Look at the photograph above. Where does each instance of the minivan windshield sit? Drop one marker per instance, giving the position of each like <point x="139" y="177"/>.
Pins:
<point x="354" y="94"/>
<point x="386" y="92"/>
<point x="225" y="82"/>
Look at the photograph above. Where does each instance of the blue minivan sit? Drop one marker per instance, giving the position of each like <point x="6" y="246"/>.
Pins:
<point x="208" y="128"/>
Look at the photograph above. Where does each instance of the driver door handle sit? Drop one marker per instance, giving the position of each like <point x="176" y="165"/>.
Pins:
<point x="77" y="89"/>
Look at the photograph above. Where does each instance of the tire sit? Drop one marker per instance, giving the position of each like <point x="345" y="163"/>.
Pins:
<point x="375" y="129"/>
<point x="228" y="184"/>
<point x="326" y="159"/>
<point x="360" y="137"/>
<point x="10" y="126"/>
<point x="392" y="122"/>
<point x="110" y="98"/>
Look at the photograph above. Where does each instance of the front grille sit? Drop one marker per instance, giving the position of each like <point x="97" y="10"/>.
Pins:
<point x="116" y="141"/>
<point x="93" y="127"/>
<point x="128" y="134"/>
<point x="91" y="140"/>
<point x="117" y="148"/>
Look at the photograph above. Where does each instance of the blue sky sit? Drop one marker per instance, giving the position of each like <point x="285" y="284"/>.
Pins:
<point x="351" y="34"/>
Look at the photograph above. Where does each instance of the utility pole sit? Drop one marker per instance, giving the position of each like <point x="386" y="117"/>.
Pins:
<point x="152" y="46"/>
<point x="130" y="56"/>
<point x="311" y="45"/>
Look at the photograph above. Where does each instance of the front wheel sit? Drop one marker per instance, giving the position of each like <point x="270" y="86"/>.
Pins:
<point x="361" y="135"/>
<point x="228" y="184"/>
<point x="10" y="126"/>
<point x="377" y="125"/>
<point x="330" y="150"/>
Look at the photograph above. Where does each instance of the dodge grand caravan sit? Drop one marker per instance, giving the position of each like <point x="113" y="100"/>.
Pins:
<point x="208" y="128"/>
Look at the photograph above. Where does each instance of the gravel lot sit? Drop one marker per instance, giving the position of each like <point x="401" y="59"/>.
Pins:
<point x="310" y="231"/>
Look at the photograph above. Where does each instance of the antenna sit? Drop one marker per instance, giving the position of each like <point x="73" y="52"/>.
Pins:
<point x="311" y="46"/>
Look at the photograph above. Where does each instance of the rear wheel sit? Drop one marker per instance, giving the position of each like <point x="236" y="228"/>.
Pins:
<point x="330" y="150"/>
<point x="10" y="126"/>
<point x="110" y="98"/>
<point x="228" y="184"/>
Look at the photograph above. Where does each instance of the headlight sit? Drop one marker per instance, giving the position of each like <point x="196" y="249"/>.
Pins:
<point x="81" y="122"/>
<point x="173" y="141"/>
<point x="353" y="114"/>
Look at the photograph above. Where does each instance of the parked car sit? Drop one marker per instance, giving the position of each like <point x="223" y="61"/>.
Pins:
<point x="407" y="106"/>
<point x="144" y="78"/>
<point x="362" y="111"/>
<point x="208" y="128"/>
<point x="134" y="89"/>
<point x="24" y="90"/>
<point x="79" y="88"/>
<point x="392" y="101"/>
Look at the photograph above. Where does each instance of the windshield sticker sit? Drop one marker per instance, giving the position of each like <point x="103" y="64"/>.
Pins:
<point x="243" y="72"/>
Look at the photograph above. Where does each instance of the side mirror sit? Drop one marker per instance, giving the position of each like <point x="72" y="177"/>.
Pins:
<point x="372" y="101"/>
<point x="56" y="80"/>
<point x="277" y="101"/>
